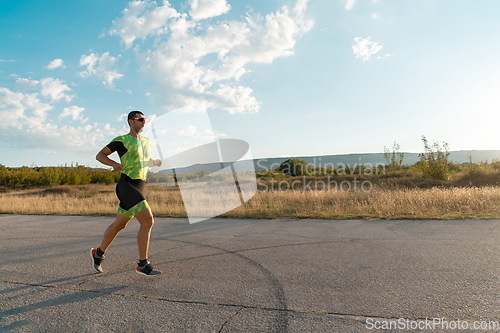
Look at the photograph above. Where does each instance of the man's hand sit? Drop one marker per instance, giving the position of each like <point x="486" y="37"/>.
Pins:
<point x="117" y="167"/>
<point x="157" y="163"/>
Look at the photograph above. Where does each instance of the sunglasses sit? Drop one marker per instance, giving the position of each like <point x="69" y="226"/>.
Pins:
<point x="141" y="119"/>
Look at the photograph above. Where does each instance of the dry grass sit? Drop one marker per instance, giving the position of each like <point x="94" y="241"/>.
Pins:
<point x="434" y="203"/>
<point x="92" y="199"/>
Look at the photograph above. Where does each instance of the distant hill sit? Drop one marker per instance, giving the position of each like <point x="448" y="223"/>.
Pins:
<point x="461" y="156"/>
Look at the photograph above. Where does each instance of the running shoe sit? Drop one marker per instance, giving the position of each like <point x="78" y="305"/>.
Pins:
<point x="147" y="270"/>
<point x="96" y="261"/>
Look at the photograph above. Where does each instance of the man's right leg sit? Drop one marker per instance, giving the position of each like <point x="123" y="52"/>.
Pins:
<point x="113" y="230"/>
<point x="108" y="238"/>
<point x="145" y="218"/>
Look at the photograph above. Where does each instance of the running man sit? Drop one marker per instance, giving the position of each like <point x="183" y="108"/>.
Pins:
<point x="135" y="157"/>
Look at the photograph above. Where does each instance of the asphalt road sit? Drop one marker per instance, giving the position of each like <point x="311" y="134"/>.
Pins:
<point x="227" y="275"/>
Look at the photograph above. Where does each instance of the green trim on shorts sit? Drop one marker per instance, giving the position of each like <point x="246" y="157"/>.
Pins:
<point x="134" y="210"/>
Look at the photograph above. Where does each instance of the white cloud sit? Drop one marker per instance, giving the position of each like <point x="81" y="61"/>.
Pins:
<point x="197" y="133"/>
<point x="16" y="108"/>
<point x="364" y="49"/>
<point x="386" y="55"/>
<point x="203" y="9"/>
<point x="56" y="63"/>
<point x="74" y="112"/>
<point x="193" y="61"/>
<point x="139" y="22"/>
<point x="375" y="16"/>
<point x="349" y="4"/>
<point x="122" y="117"/>
<point x="100" y="66"/>
<point x="27" y="84"/>
<point x="237" y="99"/>
<point x="27" y="125"/>
<point x="54" y="89"/>
<point x="7" y="60"/>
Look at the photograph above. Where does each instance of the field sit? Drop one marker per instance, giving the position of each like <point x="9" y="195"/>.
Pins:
<point x="468" y="191"/>
<point x="378" y="203"/>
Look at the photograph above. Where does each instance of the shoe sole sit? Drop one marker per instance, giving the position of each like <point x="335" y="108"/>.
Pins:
<point x="151" y="276"/>
<point x="93" y="265"/>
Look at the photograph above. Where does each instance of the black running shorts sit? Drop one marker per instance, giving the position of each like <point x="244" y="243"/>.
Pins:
<point x="129" y="192"/>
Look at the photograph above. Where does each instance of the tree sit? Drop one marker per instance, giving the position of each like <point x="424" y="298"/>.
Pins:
<point x="394" y="158"/>
<point x="434" y="160"/>
<point x="295" y="167"/>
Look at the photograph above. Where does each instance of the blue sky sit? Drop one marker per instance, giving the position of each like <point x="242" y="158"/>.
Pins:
<point x="291" y="77"/>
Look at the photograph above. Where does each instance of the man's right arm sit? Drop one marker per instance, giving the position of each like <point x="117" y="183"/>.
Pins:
<point x="102" y="157"/>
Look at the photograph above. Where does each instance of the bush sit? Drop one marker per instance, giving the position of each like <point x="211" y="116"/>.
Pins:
<point x="295" y="167"/>
<point x="434" y="160"/>
<point x="24" y="177"/>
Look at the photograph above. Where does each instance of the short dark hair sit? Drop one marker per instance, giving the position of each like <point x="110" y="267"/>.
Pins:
<point x="133" y="114"/>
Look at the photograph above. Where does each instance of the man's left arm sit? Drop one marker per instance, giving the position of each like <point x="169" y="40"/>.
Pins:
<point x="153" y="163"/>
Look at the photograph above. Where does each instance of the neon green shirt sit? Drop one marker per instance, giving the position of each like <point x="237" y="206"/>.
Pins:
<point x="134" y="155"/>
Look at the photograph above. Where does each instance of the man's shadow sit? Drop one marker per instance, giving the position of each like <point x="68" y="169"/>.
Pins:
<point x="71" y="297"/>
